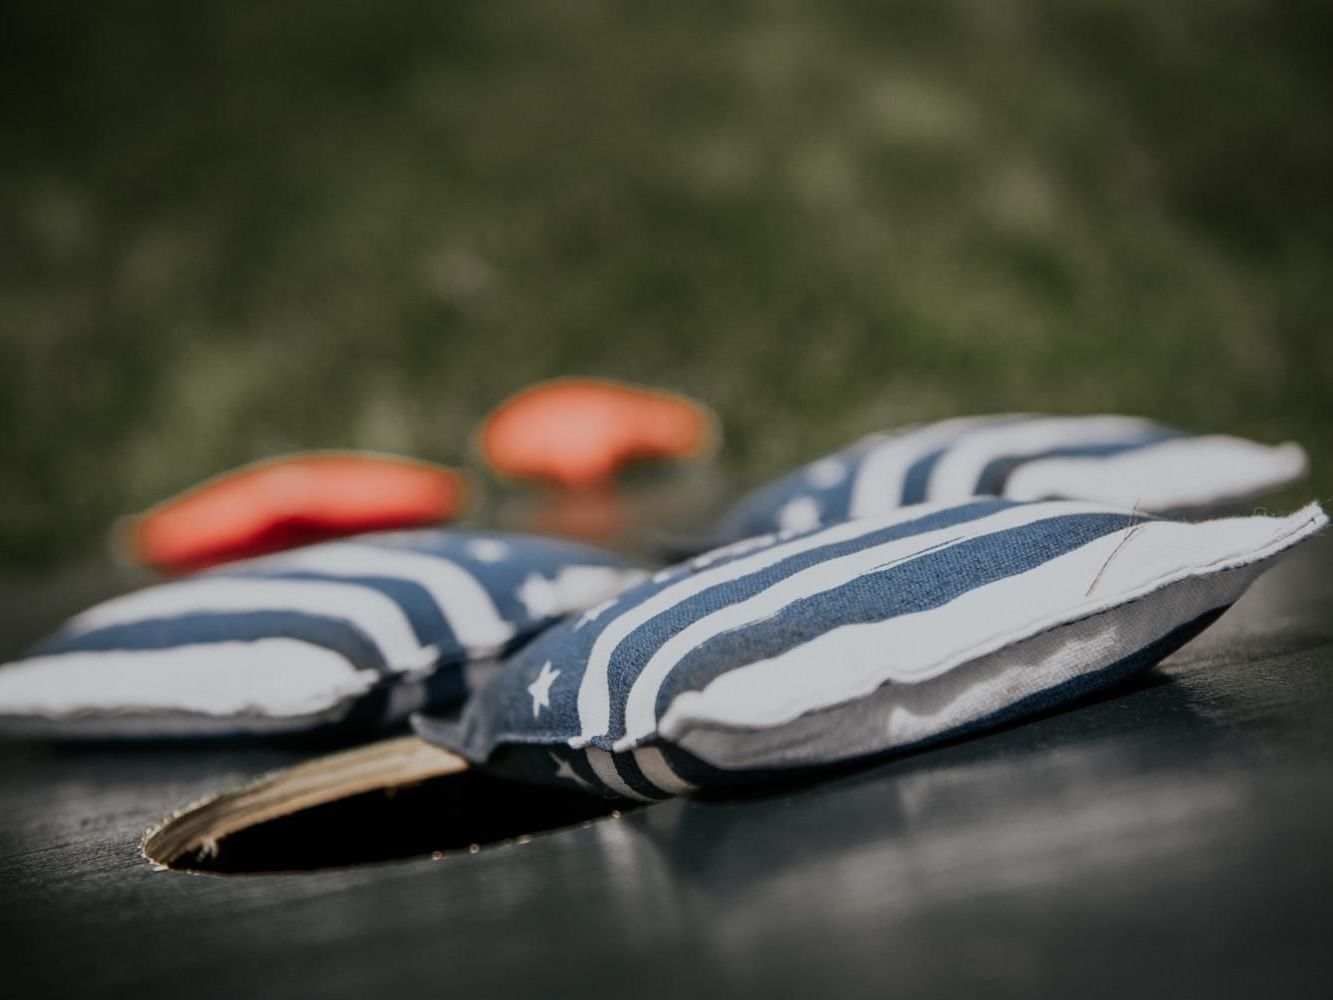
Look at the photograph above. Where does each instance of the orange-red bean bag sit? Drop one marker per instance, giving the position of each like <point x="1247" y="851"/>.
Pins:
<point x="280" y="503"/>
<point x="580" y="432"/>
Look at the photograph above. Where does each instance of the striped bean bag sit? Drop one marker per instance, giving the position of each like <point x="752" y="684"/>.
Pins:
<point x="354" y="632"/>
<point x="849" y="641"/>
<point x="1125" y="461"/>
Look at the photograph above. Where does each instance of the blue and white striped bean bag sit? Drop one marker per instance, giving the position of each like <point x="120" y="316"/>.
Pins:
<point x="1124" y="461"/>
<point x="869" y="636"/>
<point x="361" y="631"/>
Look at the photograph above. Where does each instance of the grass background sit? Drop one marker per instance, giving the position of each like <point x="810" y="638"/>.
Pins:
<point x="229" y="229"/>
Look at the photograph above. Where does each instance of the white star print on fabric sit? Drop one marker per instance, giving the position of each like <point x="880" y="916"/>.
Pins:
<point x="540" y="689"/>
<point x="592" y="614"/>
<point x="826" y="473"/>
<point x="487" y="550"/>
<point x="564" y="770"/>
<point x="800" y="514"/>
<point x="540" y="596"/>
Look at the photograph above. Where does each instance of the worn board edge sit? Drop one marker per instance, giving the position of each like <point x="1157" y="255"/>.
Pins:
<point x="200" y="825"/>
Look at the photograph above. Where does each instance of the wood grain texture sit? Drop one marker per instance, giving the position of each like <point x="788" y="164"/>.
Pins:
<point x="1170" y="838"/>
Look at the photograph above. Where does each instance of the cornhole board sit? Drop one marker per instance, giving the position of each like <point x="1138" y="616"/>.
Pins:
<point x="1172" y="837"/>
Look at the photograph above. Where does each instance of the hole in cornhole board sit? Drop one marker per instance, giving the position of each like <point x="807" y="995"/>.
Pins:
<point x="389" y="801"/>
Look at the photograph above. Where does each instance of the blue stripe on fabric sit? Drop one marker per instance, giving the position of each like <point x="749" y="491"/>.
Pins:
<point x="928" y="581"/>
<point x="428" y="623"/>
<point x="444" y="687"/>
<point x="934" y="521"/>
<point x="502" y="578"/>
<point x="916" y="480"/>
<point x="835" y="502"/>
<point x="758" y="513"/>
<point x="997" y="472"/>
<point x="578" y="762"/>
<point x="526" y="552"/>
<point x="690" y="768"/>
<point x="206" y="627"/>
<point x="371" y="710"/>
<point x="631" y="774"/>
<point x="917" y="477"/>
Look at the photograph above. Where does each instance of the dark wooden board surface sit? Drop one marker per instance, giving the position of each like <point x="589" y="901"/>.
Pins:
<point x="1174" y="837"/>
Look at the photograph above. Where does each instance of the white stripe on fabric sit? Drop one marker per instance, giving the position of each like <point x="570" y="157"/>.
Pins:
<point x="269" y="677"/>
<point x="641" y="705"/>
<point x="605" y="767"/>
<point x="1175" y="474"/>
<point x="594" y="696"/>
<point x="580" y="587"/>
<point x="955" y="475"/>
<point x="461" y="598"/>
<point x="835" y="667"/>
<point x="900" y="715"/>
<point x="879" y="479"/>
<point x="374" y="614"/>
<point x="655" y="767"/>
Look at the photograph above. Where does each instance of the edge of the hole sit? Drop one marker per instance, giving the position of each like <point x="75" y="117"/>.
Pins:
<point x="201" y="824"/>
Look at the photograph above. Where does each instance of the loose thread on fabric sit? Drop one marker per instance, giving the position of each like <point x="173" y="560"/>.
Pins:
<point x="1135" y="525"/>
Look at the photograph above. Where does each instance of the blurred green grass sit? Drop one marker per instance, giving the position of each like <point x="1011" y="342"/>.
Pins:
<point x="233" y="229"/>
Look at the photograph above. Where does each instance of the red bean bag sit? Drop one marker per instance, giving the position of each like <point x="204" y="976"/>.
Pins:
<point x="280" y="503"/>
<point x="579" y="433"/>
